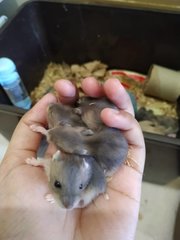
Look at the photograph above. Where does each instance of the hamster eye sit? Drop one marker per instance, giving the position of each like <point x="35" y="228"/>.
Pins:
<point x="81" y="186"/>
<point x="57" y="184"/>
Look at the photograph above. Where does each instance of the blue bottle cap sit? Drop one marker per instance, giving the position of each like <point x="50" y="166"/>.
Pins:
<point x="7" y="66"/>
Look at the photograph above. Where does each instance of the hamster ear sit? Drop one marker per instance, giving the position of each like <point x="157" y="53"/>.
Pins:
<point x="57" y="156"/>
<point x="85" y="164"/>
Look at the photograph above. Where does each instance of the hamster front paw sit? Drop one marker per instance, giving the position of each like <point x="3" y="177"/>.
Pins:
<point x="34" y="162"/>
<point x="50" y="198"/>
<point x="39" y="129"/>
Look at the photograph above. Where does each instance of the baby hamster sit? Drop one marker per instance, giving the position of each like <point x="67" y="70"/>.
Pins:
<point x="90" y="151"/>
<point x="59" y="114"/>
<point x="109" y="147"/>
<point x="90" y="108"/>
<point x="75" y="180"/>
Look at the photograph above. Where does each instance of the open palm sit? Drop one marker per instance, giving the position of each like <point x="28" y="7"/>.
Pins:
<point x="24" y="213"/>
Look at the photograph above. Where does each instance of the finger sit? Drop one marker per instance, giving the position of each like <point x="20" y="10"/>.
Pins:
<point x="118" y="95"/>
<point x="92" y="87"/>
<point x="127" y="180"/>
<point x="67" y="91"/>
<point x="25" y="142"/>
<point x="124" y="121"/>
<point x="131" y="130"/>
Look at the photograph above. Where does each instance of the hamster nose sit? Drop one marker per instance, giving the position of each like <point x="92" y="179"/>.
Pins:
<point x="67" y="202"/>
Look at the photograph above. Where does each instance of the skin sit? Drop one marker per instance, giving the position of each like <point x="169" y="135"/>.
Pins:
<point x="24" y="214"/>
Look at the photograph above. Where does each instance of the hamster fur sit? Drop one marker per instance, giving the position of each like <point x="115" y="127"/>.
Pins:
<point x="75" y="180"/>
<point x="109" y="147"/>
<point x="89" y="151"/>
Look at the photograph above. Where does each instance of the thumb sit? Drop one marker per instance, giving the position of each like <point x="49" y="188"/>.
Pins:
<point x="131" y="130"/>
<point x="25" y="142"/>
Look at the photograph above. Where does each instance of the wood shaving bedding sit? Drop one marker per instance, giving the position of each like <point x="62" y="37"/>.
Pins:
<point x="99" y="70"/>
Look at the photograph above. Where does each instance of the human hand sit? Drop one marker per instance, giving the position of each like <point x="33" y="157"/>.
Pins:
<point x="24" y="212"/>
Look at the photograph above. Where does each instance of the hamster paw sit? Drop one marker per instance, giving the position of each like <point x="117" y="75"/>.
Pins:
<point x="64" y="123"/>
<point x="87" y="132"/>
<point x="31" y="161"/>
<point x="49" y="197"/>
<point x="109" y="178"/>
<point x="106" y="196"/>
<point x="78" y="111"/>
<point x="82" y="152"/>
<point x="34" y="162"/>
<point x="39" y="129"/>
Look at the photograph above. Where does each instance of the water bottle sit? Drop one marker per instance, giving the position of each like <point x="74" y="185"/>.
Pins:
<point x="13" y="85"/>
<point x="3" y="20"/>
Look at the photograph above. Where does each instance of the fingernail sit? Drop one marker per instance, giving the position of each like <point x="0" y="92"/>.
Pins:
<point x="66" y="88"/>
<point x="110" y="112"/>
<point x="113" y="111"/>
<point x="115" y="81"/>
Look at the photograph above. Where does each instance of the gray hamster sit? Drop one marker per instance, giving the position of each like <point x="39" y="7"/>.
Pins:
<point x="109" y="147"/>
<point x="91" y="137"/>
<point x="59" y="115"/>
<point x="90" y="109"/>
<point x="75" y="180"/>
<point x="89" y="151"/>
